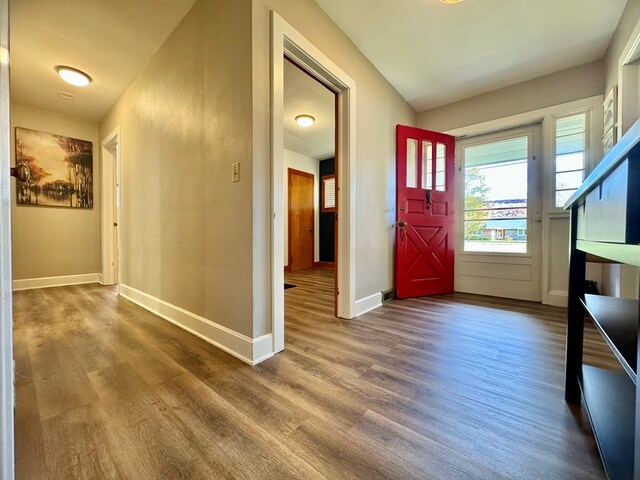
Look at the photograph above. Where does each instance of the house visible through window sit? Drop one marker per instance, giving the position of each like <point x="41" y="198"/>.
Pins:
<point x="570" y="156"/>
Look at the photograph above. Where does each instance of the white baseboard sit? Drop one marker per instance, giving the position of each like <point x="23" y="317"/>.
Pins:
<point x="367" y="304"/>
<point x="262" y="348"/>
<point x="557" y="298"/>
<point x="251" y="351"/>
<point x="45" y="282"/>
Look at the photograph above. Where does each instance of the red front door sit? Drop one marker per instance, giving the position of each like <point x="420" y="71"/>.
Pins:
<point x="425" y="166"/>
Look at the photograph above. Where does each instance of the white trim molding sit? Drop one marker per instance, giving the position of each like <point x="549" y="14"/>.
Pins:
<point x="557" y="298"/>
<point x="250" y="351"/>
<point x="366" y="304"/>
<point x="110" y="152"/>
<point x="62" y="281"/>
<point x="628" y="83"/>
<point x="6" y="308"/>
<point x="547" y="115"/>
<point x="286" y="40"/>
<point x="262" y="349"/>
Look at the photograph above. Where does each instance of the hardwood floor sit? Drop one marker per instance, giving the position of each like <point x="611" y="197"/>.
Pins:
<point x="447" y="387"/>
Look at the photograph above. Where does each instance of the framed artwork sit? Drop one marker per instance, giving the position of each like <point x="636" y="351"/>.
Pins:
<point x="609" y="140"/>
<point x="61" y="170"/>
<point x="610" y="107"/>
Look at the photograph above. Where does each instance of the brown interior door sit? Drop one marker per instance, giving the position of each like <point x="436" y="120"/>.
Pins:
<point x="300" y="220"/>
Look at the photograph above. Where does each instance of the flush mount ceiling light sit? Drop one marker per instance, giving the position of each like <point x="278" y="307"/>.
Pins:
<point x="450" y="2"/>
<point x="73" y="76"/>
<point x="305" y="120"/>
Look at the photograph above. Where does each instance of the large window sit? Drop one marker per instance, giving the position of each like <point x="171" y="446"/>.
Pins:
<point x="570" y="156"/>
<point x="495" y="201"/>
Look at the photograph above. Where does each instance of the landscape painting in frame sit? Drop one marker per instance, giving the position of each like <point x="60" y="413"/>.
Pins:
<point x="61" y="170"/>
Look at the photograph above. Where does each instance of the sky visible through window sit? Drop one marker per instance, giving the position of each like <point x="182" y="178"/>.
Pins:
<point x="506" y="181"/>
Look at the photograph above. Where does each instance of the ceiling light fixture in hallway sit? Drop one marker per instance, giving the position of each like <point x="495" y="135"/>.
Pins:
<point x="73" y="76"/>
<point x="305" y="121"/>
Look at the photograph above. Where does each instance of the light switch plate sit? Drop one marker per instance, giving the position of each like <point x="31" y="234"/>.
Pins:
<point x="235" y="172"/>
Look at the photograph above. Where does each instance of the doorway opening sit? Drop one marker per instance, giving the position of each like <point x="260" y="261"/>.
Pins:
<point x="500" y="226"/>
<point x="288" y="42"/>
<point x="627" y="99"/>
<point x="111" y="208"/>
<point x="310" y="172"/>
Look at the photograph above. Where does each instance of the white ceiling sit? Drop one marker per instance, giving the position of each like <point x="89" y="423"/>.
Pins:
<point x="435" y="54"/>
<point x="304" y="95"/>
<point x="432" y="53"/>
<point x="110" y="40"/>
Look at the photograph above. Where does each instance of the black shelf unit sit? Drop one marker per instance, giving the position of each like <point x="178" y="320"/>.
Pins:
<point x="605" y="222"/>
<point x="617" y="321"/>
<point x="612" y="417"/>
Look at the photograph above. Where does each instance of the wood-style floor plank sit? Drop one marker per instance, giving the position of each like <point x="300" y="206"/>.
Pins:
<point x="448" y="387"/>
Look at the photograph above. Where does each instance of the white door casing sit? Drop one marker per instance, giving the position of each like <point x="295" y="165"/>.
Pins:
<point x="286" y="40"/>
<point x="629" y="84"/>
<point x="110" y="151"/>
<point x="554" y="222"/>
<point x="6" y="314"/>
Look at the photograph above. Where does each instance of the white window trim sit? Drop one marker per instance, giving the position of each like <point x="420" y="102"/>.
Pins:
<point x="591" y="104"/>
<point x="594" y="105"/>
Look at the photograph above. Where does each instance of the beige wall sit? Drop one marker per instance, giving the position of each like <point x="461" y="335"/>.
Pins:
<point x="191" y="237"/>
<point x="592" y="79"/>
<point x="379" y="108"/>
<point x="52" y="241"/>
<point x="623" y="280"/>
<point x="548" y="92"/>
<point x="186" y="234"/>
<point x="628" y="21"/>
<point x="565" y="86"/>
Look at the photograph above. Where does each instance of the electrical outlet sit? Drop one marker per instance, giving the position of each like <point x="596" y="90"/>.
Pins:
<point x="235" y="172"/>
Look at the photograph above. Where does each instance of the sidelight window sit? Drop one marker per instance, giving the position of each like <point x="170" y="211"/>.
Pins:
<point x="570" y="156"/>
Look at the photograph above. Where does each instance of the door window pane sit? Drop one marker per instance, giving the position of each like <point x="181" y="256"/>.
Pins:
<point x="427" y="165"/>
<point x="495" y="202"/>
<point x="440" y="167"/>
<point x="412" y="163"/>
